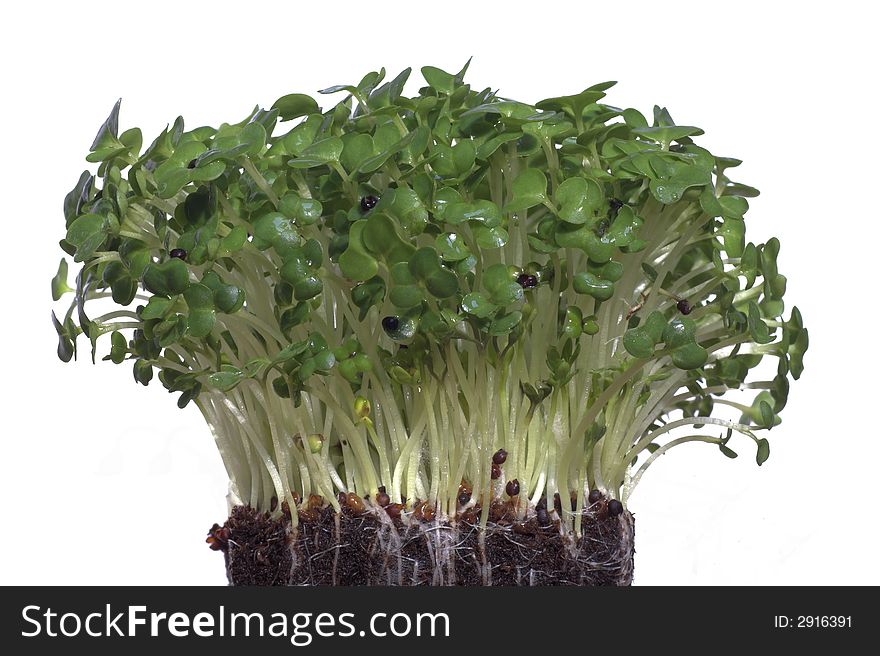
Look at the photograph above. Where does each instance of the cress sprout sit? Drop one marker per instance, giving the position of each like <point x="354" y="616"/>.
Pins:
<point x="434" y="298"/>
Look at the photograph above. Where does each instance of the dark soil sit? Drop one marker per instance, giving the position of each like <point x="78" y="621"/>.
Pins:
<point x="370" y="548"/>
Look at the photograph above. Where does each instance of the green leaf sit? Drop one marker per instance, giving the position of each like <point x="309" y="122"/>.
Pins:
<point x="484" y="212"/>
<point x="425" y="266"/>
<point x="229" y="299"/>
<point x="59" y="282"/>
<point x="638" y="343"/>
<point x="478" y="305"/>
<point x="168" y="278"/>
<point x="590" y="284"/>
<point x="505" y="323"/>
<point x="358" y="147"/>
<point x="295" y="105"/>
<point x="763" y="451"/>
<point x="276" y="230"/>
<point x="355" y="262"/>
<point x="406" y="296"/>
<point x="689" y="356"/>
<point x="106" y="142"/>
<point x="529" y="189"/>
<point x="66" y="338"/>
<point x="501" y="287"/>
<point x="201" y="318"/>
<point x="157" y="307"/>
<point x="757" y="328"/>
<point x="451" y="247"/>
<point x="489" y="238"/>
<point x="666" y="134"/>
<point x="87" y="233"/>
<point x="578" y="198"/>
<point x="227" y="379"/>
<point x="321" y="152"/>
<point x="118" y="347"/>
<point x="733" y="232"/>
<point x="573" y="106"/>
<point x="439" y="79"/>
<point x="380" y="236"/>
<point x="678" y="332"/>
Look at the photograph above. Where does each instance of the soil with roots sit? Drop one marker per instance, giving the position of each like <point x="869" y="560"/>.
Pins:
<point x="370" y="547"/>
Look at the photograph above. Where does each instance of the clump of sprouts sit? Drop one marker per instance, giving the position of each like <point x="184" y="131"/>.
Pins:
<point x="383" y="298"/>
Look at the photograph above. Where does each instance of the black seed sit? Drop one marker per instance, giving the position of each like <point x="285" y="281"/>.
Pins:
<point x="179" y="253"/>
<point x="368" y="203"/>
<point x="192" y="164"/>
<point x="496" y="472"/>
<point x="543" y="517"/>
<point x="463" y="498"/>
<point x="684" y="307"/>
<point x="391" y="323"/>
<point x="614" y="508"/>
<point x="527" y="281"/>
<point x="595" y="497"/>
<point x="512" y="488"/>
<point x="557" y="504"/>
<point x="500" y="457"/>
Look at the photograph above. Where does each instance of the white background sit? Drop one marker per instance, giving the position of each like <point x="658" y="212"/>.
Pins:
<point x="106" y="482"/>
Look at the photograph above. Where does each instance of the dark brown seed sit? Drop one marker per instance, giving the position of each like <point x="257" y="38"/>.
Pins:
<point x="393" y="510"/>
<point x="527" y="281"/>
<point x="285" y="508"/>
<point x="218" y="538"/>
<point x="296" y="498"/>
<point x="355" y="503"/>
<point x="428" y="513"/>
<point x="557" y="503"/>
<point x="496" y="472"/>
<point x="274" y="504"/>
<point x="315" y="501"/>
<point x="179" y="253"/>
<point x="463" y="497"/>
<point x="368" y="203"/>
<point x="683" y="306"/>
<point x="614" y="508"/>
<point x="500" y="457"/>
<point x="512" y="488"/>
<point x="523" y="528"/>
<point x="391" y="323"/>
<point x="595" y="497"/>
<point x="542" y="516"/>
<point x="383" y="499"/>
